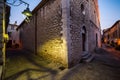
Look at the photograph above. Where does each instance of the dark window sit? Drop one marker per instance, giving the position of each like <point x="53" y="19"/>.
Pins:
<point x="96" y="40"/>
<point x="12" y="27"/>
<point x="83" y="38"/>
<point x="83" y="9"/>
<point x="108" y="36"/>
<point x="9" y="34"/>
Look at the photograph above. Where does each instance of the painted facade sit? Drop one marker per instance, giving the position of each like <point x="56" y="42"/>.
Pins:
<point x="62" y="30"/>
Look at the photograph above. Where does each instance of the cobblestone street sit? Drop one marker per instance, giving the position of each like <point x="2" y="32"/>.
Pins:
<point x="22" y="65"/>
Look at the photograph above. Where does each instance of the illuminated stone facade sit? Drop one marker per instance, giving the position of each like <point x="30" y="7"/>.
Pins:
<point x="61" y="30"/>
<point x="112" y="34"/>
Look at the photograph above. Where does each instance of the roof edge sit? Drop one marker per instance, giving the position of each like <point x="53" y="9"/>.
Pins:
<point x="112" y="25"/>
<point x="40" y="5"/>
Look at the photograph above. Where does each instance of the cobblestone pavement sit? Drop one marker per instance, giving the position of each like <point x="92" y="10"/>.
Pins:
<point x="22" y="65"/>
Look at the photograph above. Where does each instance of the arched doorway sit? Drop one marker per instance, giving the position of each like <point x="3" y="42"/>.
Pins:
<point x="83" y="38"/>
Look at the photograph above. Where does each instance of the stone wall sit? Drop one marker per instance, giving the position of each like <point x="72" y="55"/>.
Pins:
<point x="1" y="31"/>
<point x="77" y="21"/>
<point x="1" y="18"/>
<point x="27" y="35"/>
<point x="95" y="28"/>
<point x="56" y="30"/>
<point x="44" y="32"/>
<point x="50" y="43"/>
<point x="83" y="14"/>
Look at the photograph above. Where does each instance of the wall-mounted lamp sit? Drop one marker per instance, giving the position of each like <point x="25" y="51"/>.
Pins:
<point x="27" y="12"/>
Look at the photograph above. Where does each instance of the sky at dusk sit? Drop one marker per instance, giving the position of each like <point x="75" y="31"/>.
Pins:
<point x="109" y="11"/>
<point x="16" y="11"/>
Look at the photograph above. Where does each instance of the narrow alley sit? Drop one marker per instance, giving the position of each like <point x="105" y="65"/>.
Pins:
<point x="23" y="65"/>
<point x="59" y="40"/>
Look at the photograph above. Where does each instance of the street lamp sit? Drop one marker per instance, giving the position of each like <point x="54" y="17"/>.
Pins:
<point x="26" y="12"/>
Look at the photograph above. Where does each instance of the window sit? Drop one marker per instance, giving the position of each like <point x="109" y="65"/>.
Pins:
<point x="82" y="9"/>
<point x="9" y="34"/>
<point x="70" y="11"/>
<point x="96" y="40"/>
<point x="83" y="38"/>
<point x="12" y="27"/>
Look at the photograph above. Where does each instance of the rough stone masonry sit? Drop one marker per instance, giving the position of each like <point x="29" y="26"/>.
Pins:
<point x="62" y="30"/>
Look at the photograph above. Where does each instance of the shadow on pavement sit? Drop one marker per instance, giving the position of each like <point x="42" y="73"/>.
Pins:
<point x="38" y="69"/>
<point x="103" y="67"/>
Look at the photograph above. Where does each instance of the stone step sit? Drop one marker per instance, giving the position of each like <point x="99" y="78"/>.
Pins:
<point x="87" y="57"/>
<point x="85" y="53"/>
<point x="90" y="58"/>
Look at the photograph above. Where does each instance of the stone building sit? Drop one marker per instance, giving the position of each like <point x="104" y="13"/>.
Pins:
<point x="14" y="37"/>
<point x="112" y="34"/>
<point x="62" y="30"/>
